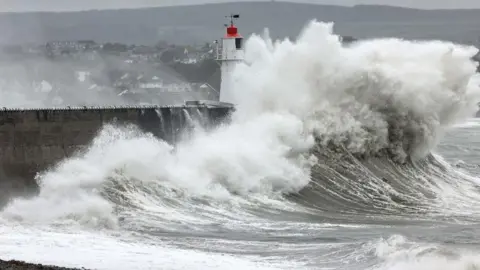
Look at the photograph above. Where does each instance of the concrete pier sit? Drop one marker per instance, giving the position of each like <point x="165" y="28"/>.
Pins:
<point x="32" y="140"/>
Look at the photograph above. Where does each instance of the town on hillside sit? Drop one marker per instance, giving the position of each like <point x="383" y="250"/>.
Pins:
<point x="59" y="73"/>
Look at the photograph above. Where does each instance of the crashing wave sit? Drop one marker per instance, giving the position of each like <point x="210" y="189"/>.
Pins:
<point x="345" y="129"/>
<point x="370" y="96"/>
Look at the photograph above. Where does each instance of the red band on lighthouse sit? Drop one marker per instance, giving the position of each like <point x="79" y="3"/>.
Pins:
<point x="232" y="32"/>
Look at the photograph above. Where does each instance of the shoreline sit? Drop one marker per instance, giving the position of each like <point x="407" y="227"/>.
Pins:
<point x="21" y="265"/>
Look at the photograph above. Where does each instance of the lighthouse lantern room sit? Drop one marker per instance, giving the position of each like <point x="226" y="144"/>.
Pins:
<point x="229" y="53"/>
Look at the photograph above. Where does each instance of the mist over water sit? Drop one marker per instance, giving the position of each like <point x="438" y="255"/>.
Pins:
<point x="90" y="78"/>
<point x="326" y="163"/>
<point x="35" y="82"/>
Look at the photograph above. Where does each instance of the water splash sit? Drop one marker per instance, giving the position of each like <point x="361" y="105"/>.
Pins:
<point x="357" y="98"/>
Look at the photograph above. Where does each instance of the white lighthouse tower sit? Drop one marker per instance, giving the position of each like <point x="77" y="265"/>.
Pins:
<point x="229" y="53"/>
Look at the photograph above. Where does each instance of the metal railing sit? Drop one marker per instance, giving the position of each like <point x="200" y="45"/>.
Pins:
<point x="218" y="53"/>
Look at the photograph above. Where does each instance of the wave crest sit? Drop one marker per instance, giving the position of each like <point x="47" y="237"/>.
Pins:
<point x="349" y="113"/>
<point x="373" y="95"/>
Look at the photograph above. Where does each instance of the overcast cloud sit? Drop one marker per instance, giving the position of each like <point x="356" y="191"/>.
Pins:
<point x="63" y="5"/>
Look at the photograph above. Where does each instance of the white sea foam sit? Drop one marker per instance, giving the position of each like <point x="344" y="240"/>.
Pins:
<point x="470" y="123"/>
<point x="96" y="251"/>
<point x="398" y="253"/>
<point x="287" y="93"/>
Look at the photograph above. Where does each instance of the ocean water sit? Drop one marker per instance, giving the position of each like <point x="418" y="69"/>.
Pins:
<point x="359" y="157"/>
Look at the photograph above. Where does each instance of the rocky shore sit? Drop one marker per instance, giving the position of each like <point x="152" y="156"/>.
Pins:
<point x="19" y="265"/>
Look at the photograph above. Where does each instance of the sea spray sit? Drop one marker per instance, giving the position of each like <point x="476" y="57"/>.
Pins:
<point x="372" y="95"/>
<point x="268" y="158"/>
<point x="397" y="252"/>
<point x="368" y="97"/>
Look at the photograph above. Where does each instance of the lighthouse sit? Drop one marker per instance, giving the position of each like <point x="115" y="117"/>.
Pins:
<point x="229" y="53"/>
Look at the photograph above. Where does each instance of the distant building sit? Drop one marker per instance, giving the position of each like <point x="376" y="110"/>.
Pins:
<point x="160" y="87"/>
<point x="67" y="46"/>
<point x="144" y="50"/>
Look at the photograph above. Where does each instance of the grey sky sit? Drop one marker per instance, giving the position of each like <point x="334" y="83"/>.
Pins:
<point x="61" y="5"/>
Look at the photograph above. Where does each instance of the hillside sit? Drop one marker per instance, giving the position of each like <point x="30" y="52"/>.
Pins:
<point x="198" y="24"/>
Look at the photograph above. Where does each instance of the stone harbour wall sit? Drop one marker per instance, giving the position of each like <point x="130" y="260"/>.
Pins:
<point x="32" y="140"/>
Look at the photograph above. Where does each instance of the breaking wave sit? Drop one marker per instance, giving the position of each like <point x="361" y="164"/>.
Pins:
<point x="321" y="130"/>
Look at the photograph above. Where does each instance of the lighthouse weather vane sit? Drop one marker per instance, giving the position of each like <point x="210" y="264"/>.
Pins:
<point x="232" y="17"/>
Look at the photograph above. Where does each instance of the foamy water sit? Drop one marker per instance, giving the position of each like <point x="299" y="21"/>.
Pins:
<point x="100" y="251"/>
<point x="470" y="123"/>
<point x="252" y="194"/>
